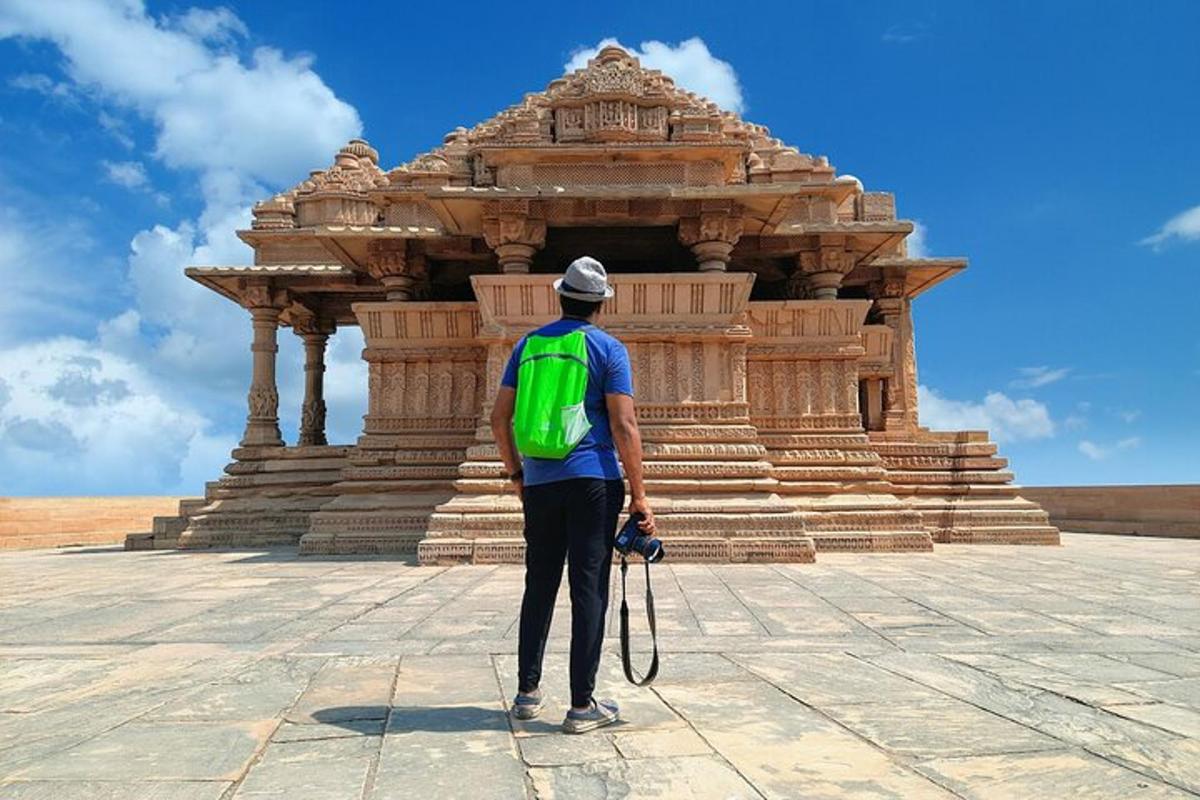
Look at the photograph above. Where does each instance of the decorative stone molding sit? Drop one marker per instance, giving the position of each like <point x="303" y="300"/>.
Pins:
<point x="516" y="230"/>
<point x="712" y="233"/>
<point x="877" y="360"/>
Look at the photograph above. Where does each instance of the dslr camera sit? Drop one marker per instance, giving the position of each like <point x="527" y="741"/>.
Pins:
<point x="631" y="539"/>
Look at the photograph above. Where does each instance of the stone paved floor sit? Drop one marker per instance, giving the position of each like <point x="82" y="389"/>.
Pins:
<point x="972" y="672"/>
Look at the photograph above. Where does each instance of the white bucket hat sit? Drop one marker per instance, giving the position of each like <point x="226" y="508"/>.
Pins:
<point x="585" y="279"/>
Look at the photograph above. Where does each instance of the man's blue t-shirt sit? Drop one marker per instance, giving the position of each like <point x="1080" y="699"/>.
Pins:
<point x="608" y="373"/>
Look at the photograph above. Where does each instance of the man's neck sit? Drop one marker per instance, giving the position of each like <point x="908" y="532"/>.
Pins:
<point x="581" y="319"/>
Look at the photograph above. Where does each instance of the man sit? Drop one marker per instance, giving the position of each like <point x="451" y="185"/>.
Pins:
<point x="572" y="503"/>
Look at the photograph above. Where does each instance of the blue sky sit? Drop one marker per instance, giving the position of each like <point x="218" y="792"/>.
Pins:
<point x="1054" y="144"/>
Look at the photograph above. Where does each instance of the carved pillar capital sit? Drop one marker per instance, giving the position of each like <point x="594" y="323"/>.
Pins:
<point x="712" y="233"/>
<point x="258" y="293"/>
<point x="516" y="230"/>
<point x="823" y="270"/>
<point x="888" y="291"/>
<point x="390" y="262"/>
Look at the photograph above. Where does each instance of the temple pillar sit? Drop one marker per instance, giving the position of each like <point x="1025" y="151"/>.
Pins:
<point x="262" y="421"/>
<point x="872" y="399"/>
<point x="900" y="400"/>
<point x="515" y="230"/>
<point x="315" y="334"/>
<point x="712" y="233"/>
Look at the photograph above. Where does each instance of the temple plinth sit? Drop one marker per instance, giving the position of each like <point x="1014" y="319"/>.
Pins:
<point x="766" y="304"/>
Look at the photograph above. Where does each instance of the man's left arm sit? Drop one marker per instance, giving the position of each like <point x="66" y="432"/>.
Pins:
<point x="502" y="415"/>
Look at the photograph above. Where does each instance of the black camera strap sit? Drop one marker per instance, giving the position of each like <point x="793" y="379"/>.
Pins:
<point x="652" y="672"/>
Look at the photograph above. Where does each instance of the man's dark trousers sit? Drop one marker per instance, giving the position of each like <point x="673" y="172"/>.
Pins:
<point x="574" y="519"/>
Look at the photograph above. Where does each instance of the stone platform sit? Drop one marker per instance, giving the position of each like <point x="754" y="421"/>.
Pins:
<point x="976" y="672"/>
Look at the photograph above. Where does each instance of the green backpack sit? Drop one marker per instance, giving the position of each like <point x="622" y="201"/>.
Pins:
<point x="552" y="377"/>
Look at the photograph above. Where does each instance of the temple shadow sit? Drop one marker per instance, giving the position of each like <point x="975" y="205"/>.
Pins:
<point x="407" y="719"/>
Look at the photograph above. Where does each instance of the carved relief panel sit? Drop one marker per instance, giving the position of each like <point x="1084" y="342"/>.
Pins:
<point x="803" y="363"/>
<point x="426" y="366"/>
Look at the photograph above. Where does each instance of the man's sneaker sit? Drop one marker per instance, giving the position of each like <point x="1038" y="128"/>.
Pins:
<point x="527" y="706"/>
<point x="598" y="715"/>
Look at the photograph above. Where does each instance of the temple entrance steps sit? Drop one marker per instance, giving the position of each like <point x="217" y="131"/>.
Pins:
<point x="714" y="502"/>
<point x="164" y="531"/>
<point x="266" y="498"/>
<point x="838" y="482"/>
<point x="385" y="495"/>
<point x="961" y="488"/>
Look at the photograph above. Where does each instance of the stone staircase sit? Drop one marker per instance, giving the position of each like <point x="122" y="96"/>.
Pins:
<point x="961" y="488"/>
<point x="266" y="498"/>
<point x="714" y="501"/>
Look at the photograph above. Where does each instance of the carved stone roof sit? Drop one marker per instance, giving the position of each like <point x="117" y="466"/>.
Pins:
<point x="613" y="99"/>
<point x="611" y="123"/>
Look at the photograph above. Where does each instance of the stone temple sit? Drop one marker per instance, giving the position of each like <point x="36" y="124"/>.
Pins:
<point x="765" y="301"/>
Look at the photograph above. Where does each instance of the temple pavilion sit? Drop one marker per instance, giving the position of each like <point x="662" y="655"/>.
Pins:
<point x="765" y="301"/>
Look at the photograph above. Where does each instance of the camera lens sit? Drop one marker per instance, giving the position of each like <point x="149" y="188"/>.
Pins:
<point x="652" y="550"/>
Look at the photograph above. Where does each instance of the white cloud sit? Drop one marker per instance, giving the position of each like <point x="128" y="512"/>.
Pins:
<point x="906" y="33"/>
<point x="1005" y="418"/>
<point x="916" y="241"/>
<point x="1033" y="377"/>
<point x="45" y="288"/>
<point x="77" y="416"/>
<point x="1074" y="422"/>
<point x="216" y="25"/>
<point x="130" y="174"/>
<point x="1098" y="452"/>
<point x="1184" y="226"/>
<point x="42" y="84"/>
<point x="116" y="128"/>
<point x="245" y="127"/>
<point x="1129" y="415"/>
<point x="689" y="63"/>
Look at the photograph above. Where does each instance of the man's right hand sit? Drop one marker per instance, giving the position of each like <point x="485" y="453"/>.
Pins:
<point x="639" y="504"/>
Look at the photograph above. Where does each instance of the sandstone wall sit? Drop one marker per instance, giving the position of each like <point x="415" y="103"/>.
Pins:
<point x="1134" y="510"/>
<point x="28" y="522"/>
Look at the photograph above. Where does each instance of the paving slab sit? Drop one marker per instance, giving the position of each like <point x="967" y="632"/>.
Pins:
<point x="157" y="751"/>
<point x="1061" y="773"/>
<point x="686" y="778"/>
<point x="321" y="769"/>
<point x="945" y="727"/>
<point x="111" y="790"/>
<point x="983" y="671"/>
